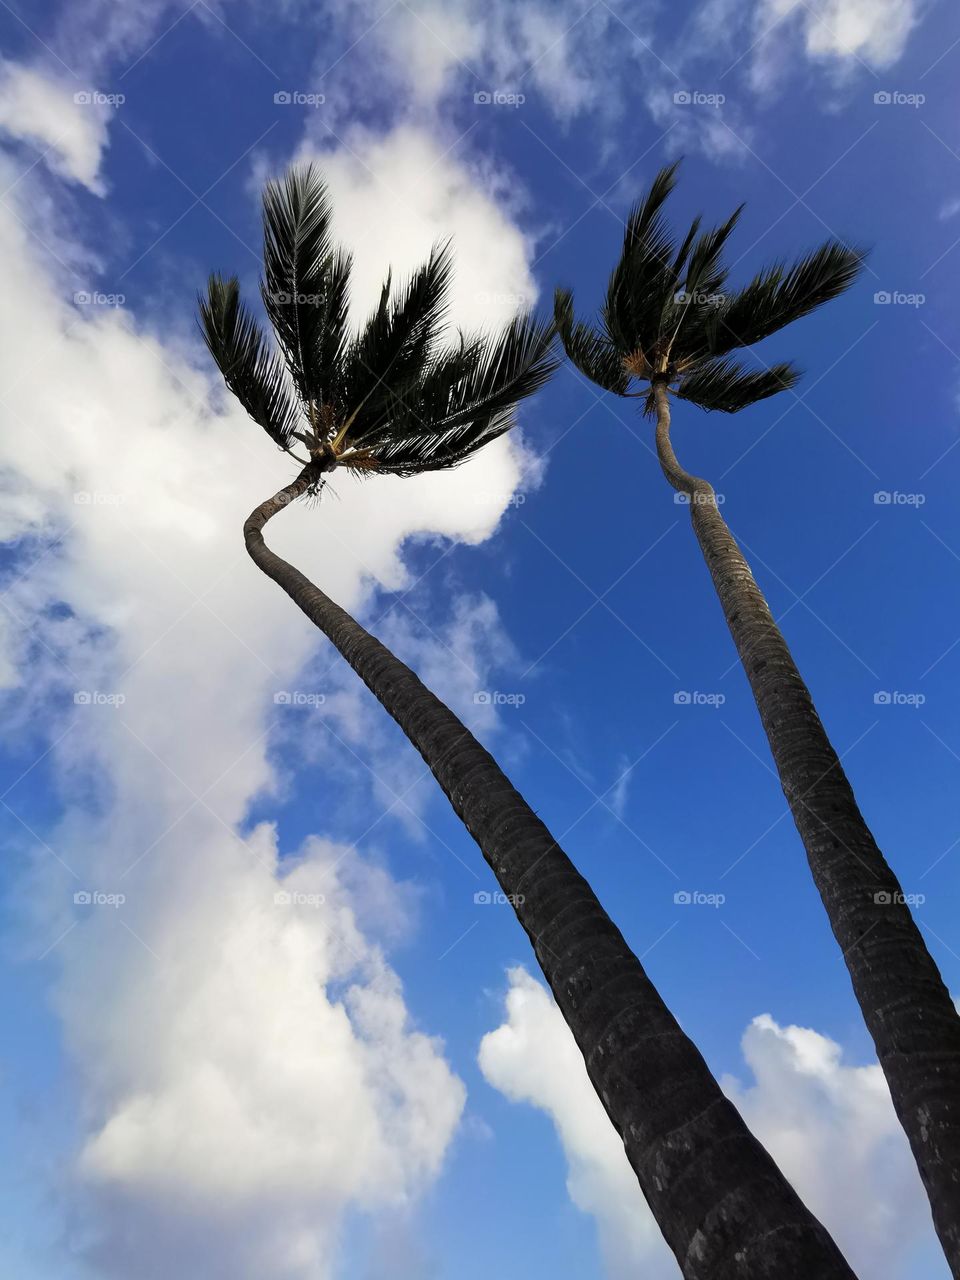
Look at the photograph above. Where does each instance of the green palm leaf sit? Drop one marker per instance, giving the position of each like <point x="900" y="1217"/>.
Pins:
<point x="778" y="296"/>
<point x="396" y="343"/>
<point x="725" y="385"/>
<point x="254" y="374"/>
<point x="298" y="260"/>
<point x="466" y="399"/>
<point x="593" y="353"/>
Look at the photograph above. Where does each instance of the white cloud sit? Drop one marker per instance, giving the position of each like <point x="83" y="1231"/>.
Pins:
<point x="831" y="1128"/>
<point x="533" y="1058"/>
<point x="568" y="54"/>
<point x="37" y="108"/>
<point x="247" y="1072"/>
<point x="840" y="34"/>
<point x="431" y="195"/>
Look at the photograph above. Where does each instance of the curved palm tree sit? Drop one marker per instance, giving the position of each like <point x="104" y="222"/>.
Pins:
<point x="391" y="399"/>
<point x="666" y="329"/>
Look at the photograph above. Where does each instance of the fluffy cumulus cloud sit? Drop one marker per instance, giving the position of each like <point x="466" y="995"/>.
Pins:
<point x="830" y="1126"/>
<point x="833" y="1130"/>
<point x="68" y="126"/>
<point x="431" y="194"/>
<point x="246" y="1067"/>
<point x="532" y="1057"/>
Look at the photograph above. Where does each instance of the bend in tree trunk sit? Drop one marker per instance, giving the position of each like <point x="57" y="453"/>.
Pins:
<point x="723" y="1206"/>
<point x="907" y="1009"/>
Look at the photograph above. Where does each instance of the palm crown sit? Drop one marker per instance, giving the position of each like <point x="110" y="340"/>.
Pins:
<point x="389" y="398"/>
<point x="668" y="318"/>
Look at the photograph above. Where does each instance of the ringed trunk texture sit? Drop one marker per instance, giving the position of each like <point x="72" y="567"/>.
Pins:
<point x="906" y="1006"/>
<point x="722" y="1204"/>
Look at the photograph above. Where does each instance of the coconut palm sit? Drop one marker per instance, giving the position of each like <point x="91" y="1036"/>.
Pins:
<point x="393" y="399"/>
<point x="666" y="330"/>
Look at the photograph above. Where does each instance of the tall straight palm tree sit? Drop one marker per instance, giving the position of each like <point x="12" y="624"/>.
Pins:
<point x="393" y="399"/>
<point x="666" y="330"/>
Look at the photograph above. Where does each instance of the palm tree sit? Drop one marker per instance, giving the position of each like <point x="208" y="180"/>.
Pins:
<point x="392" y="399"/>
<point x="666" y="329"/>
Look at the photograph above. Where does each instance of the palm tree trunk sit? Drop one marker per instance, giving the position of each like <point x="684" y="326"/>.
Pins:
<point x="907" y="1008"/>
<point x="724" y="1207"/>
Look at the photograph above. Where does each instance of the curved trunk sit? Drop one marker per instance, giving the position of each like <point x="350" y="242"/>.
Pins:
<point x="725" y="1209"/>
<point x="907" y="1008"/>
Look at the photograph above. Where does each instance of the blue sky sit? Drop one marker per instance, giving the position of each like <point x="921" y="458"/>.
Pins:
<point x="148" y="1042"/>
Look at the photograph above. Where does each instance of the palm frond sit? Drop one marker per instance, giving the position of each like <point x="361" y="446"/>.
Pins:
<point x="643" y="280"/>
<point x="297" y="259"/>
<point x="704" y="279"/>
<point x="778" y="295"/>
<point x="397" y="341"/>
<point x="250" y="369"/>
<point x="334" y="337"/>
<point x="592" y="352"/>
<point x="467" y="398"/>
<point x="725" y="385"/>
<point x="683" y="252"/>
